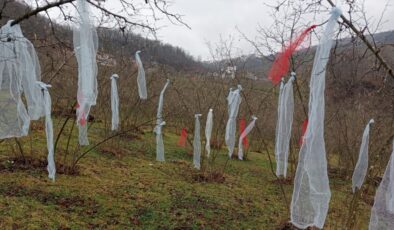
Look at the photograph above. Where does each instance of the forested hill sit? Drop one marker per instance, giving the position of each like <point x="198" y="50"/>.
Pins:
<point x="259" y="66"/>
<point x="119" y="44"/>
<point x="112" y="41"/>
<point x="116" y="44"/>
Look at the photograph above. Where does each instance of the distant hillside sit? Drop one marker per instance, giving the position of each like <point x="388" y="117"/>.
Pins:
<point x="259" y="66"/>
<point x="111" y="41"/>
<point x="386" y="37"/>
<point x="115" y="44"/>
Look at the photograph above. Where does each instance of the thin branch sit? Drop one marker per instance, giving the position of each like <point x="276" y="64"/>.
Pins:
<point x="360" y="34"/>
<point x="40" y="9"/>
<point x="120" y="17"/>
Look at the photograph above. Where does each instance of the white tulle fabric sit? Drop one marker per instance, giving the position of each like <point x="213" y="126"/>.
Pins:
<point x="83" y="134"/>
<point x="159" y="142"/>
<point x="85" y="47"/>
<point x="278" y="122"/>
<point x="159" y="117"/>
<point x="114" y="102"/>
<point x="159" y="124"/>
<point x="208" y="132"/>
<point x="382" y="215"/>
<point x="141" y="77"/>
<point x="362" y="163"/>
<point x="283" y="126"/>
<point x="311" y="194"/>
<point x="19" y="71"/>
<point x="233" y="100"/>
<point x="47" y="103"/>
<point x="197" y="143"/>
<point x="247" y="130"/>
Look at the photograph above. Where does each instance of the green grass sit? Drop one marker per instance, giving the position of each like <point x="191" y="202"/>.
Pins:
<point x="130" y="190"/>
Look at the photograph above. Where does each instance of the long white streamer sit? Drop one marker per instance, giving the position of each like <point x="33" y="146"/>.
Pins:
<point x="197" y="143"/>
<point x="278" y="125"/>
<point x="208" y="132"/>
<point x="85" y="47"/>
<point x="233" y="100"/>
<point x="114" y="102"/>
<point x="161" y="100"/>
<point x="141" y="77"/>
<point x="362" y="163"/>
<point x="243" y="135"/>
<point x="382" y="215"/>
<point x="159" y="142"/>
<point x="159" y="124"/>
<point x="311" y="194"/>
<point x="283" y="127"/>
<point x="46" y="98"/>
<point x="83" y="134"/>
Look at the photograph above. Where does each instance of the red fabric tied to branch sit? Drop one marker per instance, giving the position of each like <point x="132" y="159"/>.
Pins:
<point x="303" y="130"/>
<point x="282" y="63"/>
<point x="242" y="126"/>
<point x="182" y="138"/>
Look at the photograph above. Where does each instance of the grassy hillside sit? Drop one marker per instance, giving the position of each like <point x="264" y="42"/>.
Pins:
<point x="121" y="186"/>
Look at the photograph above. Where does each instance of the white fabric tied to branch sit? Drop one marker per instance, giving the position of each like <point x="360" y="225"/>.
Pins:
<point x="382" y="215"/>
<point x="362" y="164"/>
<point x="233" y="100"/>
<point x="141" y="77"/>
<point x="19" y="71"/>
<point x="159" y="142"/>
<point x="283" y="125"/>
<point x="159" y="124"/>
<point x="29" y="70"/>
<point x="85" y="47"/>
<point x="160" y="107"/>
<point x="278" y="121"/>
<point x="208" y="132"/>
<point x="311" y="194"/>
<point x="46" y="98"/>
<point x="243" y="135"/>
<point x="197" y="143"/>
<point x="114" y="102"/>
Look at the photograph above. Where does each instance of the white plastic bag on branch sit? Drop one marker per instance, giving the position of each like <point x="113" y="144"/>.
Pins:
<point x="159" y="142"/>
<point x="362" y="164"/>
<point x="243" y="135"/>
<point x="208" y="132"/>
<point x="159" y="124"/>
<point x="283" y="126"/>
<point x="141" y="77"/>
<point x="46" y="98"/>
<point x="29" y="71"/>
<point x="382" y="214"/>
<point x="197" y="143"/>
<point x="114" y="102"/>
<point x="278" y="124"/>
<point x="311" y="194"/>
<point x="19" y="71"/>
<point x="161" y="100"/>
<point x="85" y="47"/>
<point x="83" y="134"/>
<point x="233" y="100"/>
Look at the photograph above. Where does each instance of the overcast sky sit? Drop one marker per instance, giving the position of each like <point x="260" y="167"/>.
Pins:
<point x="210" y="19"/>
